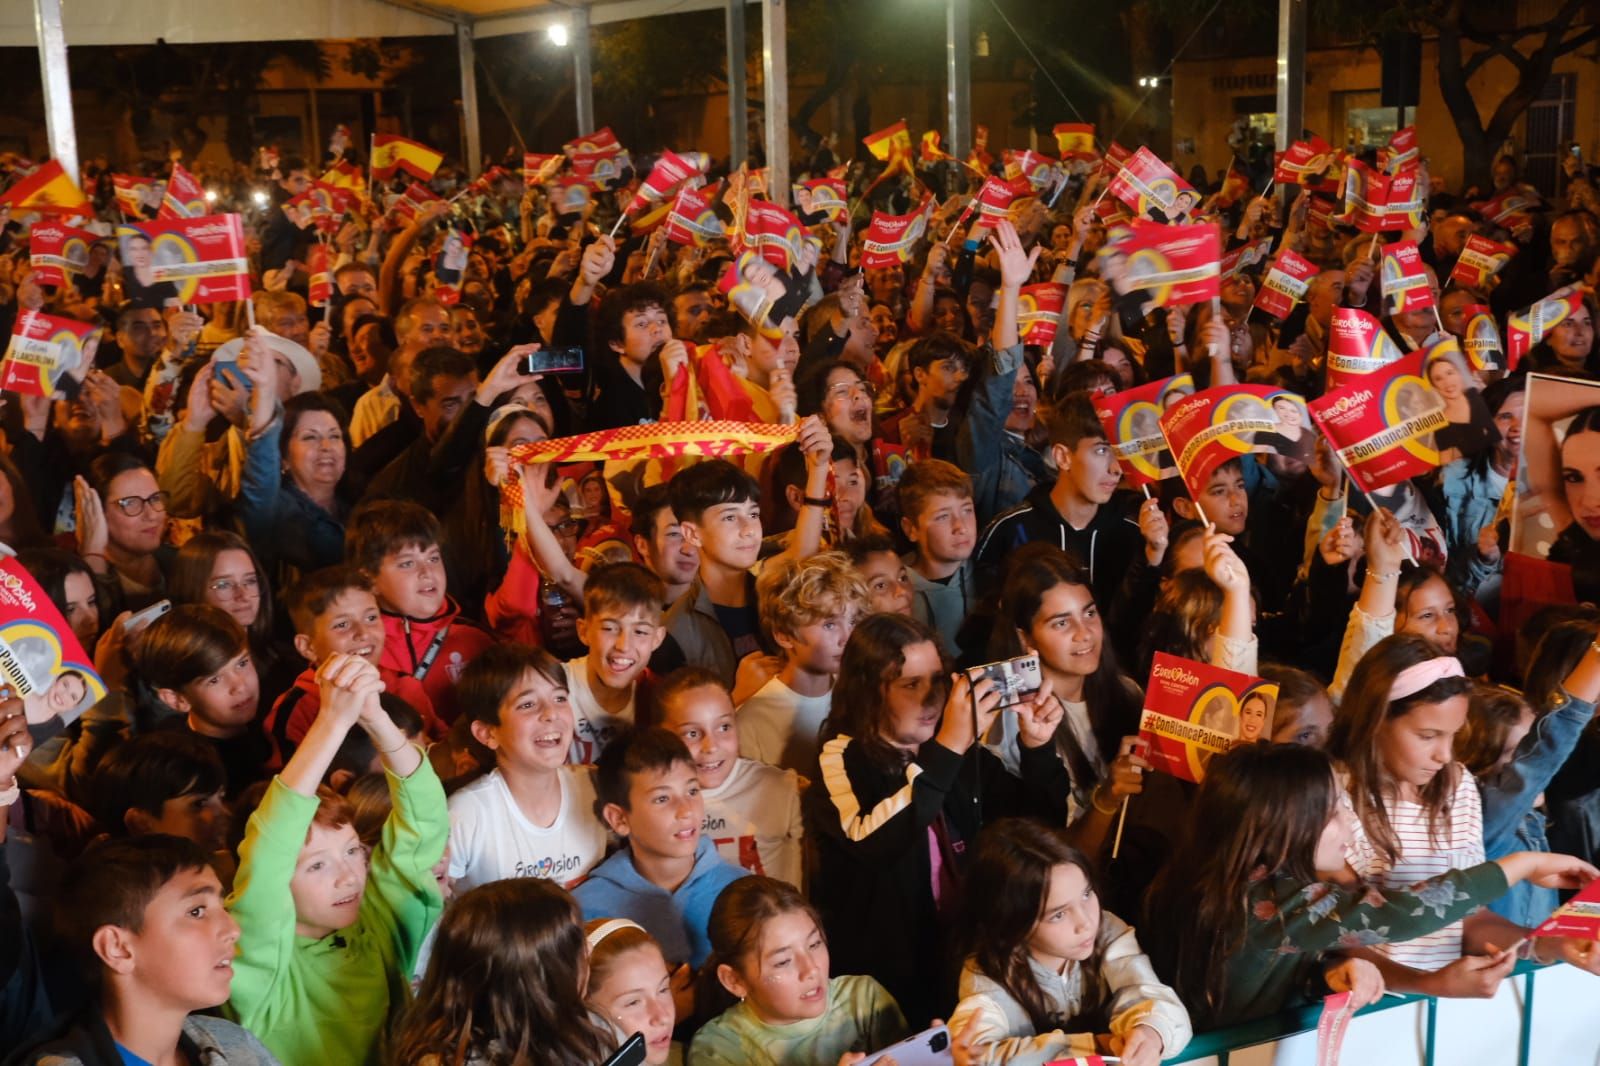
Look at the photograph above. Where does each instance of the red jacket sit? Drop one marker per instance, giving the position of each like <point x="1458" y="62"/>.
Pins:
<point x="291" y="717"/>
<point x="407" y="642"/>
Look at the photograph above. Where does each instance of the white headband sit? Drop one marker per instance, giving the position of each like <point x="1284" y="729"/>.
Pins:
<point x="607" y="928"/>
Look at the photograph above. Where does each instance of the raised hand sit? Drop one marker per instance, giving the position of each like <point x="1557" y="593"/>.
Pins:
<point x="1016" y="265"/>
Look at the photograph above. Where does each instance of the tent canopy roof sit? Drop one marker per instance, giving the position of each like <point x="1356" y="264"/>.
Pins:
<point x="112" y="22"/>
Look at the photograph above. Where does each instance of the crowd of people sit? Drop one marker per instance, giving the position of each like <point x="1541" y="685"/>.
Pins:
<point x="414" y="751"/>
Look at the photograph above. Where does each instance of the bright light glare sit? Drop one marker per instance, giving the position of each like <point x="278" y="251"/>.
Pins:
<point x="211" y="196"/>
<point x="260" y="197"/>
<point x="557" y="34"/>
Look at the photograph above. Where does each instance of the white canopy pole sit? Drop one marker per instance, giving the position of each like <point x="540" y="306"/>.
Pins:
<point x="738" y="118"/>
<point x="582" y="73"/>
<point x="467" y="56"/>
<point x="775" y="76"/>
<point x="57" y="85"/>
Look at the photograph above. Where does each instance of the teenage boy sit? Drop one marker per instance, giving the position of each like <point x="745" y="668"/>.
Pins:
<point x="396" y="544"/>
<point x="146" y="916"/>
<point x="328" y="937"/>
<point x="1081" y="513"/>
<point x="533" y="814"/>
<point x="715" y="623"/>
<point x="752" y="809"/>
<point x="937" y="516"/>
<point x="668" y="874"/>
<point x="170" y="782"/>
<point x="335" y="612"/>
<point x="621" y="627"/>
<point x="940" y="365"/>
<point x="810" y="607"/>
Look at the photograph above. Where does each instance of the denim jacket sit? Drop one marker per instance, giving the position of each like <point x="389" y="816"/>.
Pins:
<point x="283" y="523"/>
<point x="1510" y="821"/>
<point x="1002" y="467"/>
<point x="1471" y="493"/>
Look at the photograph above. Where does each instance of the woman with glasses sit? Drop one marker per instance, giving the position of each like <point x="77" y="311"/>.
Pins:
<point x="217" y="568"/>
<point x="121" y="518"/>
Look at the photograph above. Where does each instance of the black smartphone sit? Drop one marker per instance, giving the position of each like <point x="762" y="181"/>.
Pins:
<point x="554" y="361"/>
<point x="631" y="1053"/>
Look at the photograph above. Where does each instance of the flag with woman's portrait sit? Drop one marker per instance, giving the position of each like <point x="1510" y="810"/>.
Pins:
<point x="1381" y="425"/>
<point x="1193" y="711"/>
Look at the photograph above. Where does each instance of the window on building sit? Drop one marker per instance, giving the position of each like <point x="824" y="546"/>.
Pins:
<point x="1366" y="124"/>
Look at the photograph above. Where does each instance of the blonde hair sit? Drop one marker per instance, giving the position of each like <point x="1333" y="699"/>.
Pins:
<point x="805" y="591"/>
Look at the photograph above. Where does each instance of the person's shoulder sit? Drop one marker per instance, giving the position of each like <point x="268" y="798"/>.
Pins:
<point x="475" y="795"/>
<point x="766" y="776"/>
<point x="236" y="1045"/>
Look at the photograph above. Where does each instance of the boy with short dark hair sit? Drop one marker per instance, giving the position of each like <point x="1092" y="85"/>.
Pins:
<point x="1081" y="512"/>
<point x="162" y="782"/>
<point x="396" y="544"/>
<point x="334" y="611"/>
<point x="668" y="874"/>
<point x="146" y="916"/>
<point x="621" y="627"/>
<point x="937" y="516"/>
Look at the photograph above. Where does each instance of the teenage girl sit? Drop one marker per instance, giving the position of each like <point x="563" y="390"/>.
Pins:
<point x="630" y="988"/>
<point x="768" y="951"/>
<point x="504" y="984"/>
<point x="1255" y="907"/>
<point x="1049" y="974"/>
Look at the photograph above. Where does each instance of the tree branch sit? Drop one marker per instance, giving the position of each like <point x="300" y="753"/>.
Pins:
<point x="1572" y="44"/>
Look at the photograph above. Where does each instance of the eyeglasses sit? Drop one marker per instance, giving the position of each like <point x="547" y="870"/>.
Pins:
<point x="568" y="527"/>
<point x="225" y="586"/>
<point x="133" y="506"/>
<point x="851" y="390"/>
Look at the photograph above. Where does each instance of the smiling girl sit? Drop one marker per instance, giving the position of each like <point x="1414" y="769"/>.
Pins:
<point x="1564" y="474"/>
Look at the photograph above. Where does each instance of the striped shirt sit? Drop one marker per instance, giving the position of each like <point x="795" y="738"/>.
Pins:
<point x="1460" y="845"/>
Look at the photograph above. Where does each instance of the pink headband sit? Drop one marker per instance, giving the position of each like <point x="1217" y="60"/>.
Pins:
<point x="1413" y="679"/>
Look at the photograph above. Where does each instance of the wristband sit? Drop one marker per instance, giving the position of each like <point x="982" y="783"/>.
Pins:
<point x="1383" y="575"/>
<point x="816" y="501"/>
<point x="1094" y="801"/>
<point x="10" y="794"/>
<point x="397" y="747"/>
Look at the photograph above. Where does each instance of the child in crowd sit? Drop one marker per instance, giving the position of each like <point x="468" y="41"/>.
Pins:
<point x="668" y="873"/>
<point x="146" y="917"/>
<point x="396" y="544"/>
<point x="887" y="578"/>
<point x="629" y="987"/>
<point x="328" y="936"/>
<point x="809" y="607"/>
<point x="169" y="781"/>
<point x="504" y="984"/>
<point x="622" y="628"/>
<point x="770" y="953"/>
<point x="752" y="809"/>
<point x="335" y="612"/>
<point x="1303" y="713"/>
<point x="533" y="814"/>
<point x="1047" y="970"/>
<point x="900" y="800"/>
<point x="1258" y="911"/>
<point x="937" y="517"/>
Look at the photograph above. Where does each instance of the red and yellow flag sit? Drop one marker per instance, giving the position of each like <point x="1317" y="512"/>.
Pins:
<point x="1075" y="140"/>
<point x="931" y="153"/>
<point x="49" y="190"/>
<point x="345" y="175"/>
<point x="890" y="143"/>
<point x="393" y="154"/>
<point x="1235" y="186"/>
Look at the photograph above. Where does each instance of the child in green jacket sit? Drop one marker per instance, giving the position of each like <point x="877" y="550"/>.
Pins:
<point x="327" y="941"/>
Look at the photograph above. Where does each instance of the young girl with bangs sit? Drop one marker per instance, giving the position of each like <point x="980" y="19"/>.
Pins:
<point x="1417" y="814"/>
<point x="1049" y="974"/>
<point x="1258" y="910"/>
<point x="904" y="790"/>
<point x="769" y="952"/>
<point x="630" y="988"/>
<point x="504" y="986"/>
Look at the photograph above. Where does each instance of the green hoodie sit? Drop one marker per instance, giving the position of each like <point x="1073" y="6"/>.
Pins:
<point x="330" y="1000"/>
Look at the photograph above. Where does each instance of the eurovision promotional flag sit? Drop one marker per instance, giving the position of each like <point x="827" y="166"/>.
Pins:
<point x="1039" y="310"/>
<point x="1357" y="345"/>
<point x="891" y="240"/>
<point x="1285" y="284"/>
<point x="1153" y="190"/>
<point x="49" y="190"/>
<point x="1400" y="152"/>
<point x="1404" y="278"/>
<point x="1038" y="171"/>
<point x="1174" y="265"/>
<point x="1321" y="212"/>
<point x="411" y="202"/>
<point x="601" y="142"/>
<point x="44" y="348"/>
<point x="1193" y="711"/>
<point x="135" y="195"/>
<point x="318" y="265"/>
<point x="1215" y="425"/>
<point x="393" y="154"/>
<point x="778" y="236"/>
<point x="670" y="171"/>
<point x="1405" y="204"/>
<point x="1480" y="260"/>
<point x="1382" y="425"/>
<point x="1366" y="197"/>
<point x="183" y="198"/>
<point x="1116" y="158"/>
<point x="821" y="196"/>
<point x="203" y="258"/>
<point x="539" y="167"/>
<point x="600" y="170"/>
<point x="1246" y="256"/>
<point x="1578" y="917"/>
<point x="1511" y="209"/>
<point x="56" y="250"/>
<point x="1075" y="140"/>
<point x="1303" y="163"/>
<point x="1482" y="343"/>
<point x="1532" y="324"/>
<point x="1132" y="421"/>
<point x="40" y="658"/>
<point x="693" y="219"/>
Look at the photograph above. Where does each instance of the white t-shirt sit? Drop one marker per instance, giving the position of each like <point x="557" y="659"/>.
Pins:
<point x="779" y="726"/>
<point x="593" y="725"/>
<point x="1460" y="846"/>
<point x="491" y="839"/>
<point x="754" y="820"/>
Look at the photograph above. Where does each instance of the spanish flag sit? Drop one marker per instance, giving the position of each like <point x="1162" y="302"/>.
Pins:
<point x="1235" y="186"/>
<point x="392" y="154"/>
<point x="345" y="175"/>
<point x="1075" y="140"/>
<point x="931" y="153"/>
<point x="890" y="144"/>
<point x="49" y="191"/>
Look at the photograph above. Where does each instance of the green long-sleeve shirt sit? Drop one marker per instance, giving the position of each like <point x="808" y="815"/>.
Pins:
<point x="1292" y="925"/>
<point x="330" y="1000"/>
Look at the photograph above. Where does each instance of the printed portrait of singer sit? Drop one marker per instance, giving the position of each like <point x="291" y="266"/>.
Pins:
<point x="1562" y="470"/>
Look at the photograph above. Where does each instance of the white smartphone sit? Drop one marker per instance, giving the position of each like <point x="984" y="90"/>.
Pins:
<point x="140" y="619"/>
<point x="931" y="1047"/>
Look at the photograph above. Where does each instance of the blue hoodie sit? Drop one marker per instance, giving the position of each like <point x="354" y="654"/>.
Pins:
<point x="678" y="920"/>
